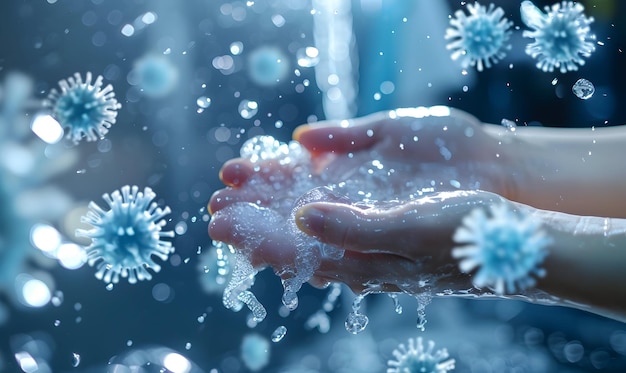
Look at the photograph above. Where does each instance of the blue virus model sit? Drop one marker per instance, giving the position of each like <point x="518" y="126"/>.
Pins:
<point x="508" y="247"/>
<point x="155" y="75"/>
<point x="125" y="238"/>
<point x="480" y="38"/>
<point x="86" y="109"/>
<point x="562" y="35"/>
<point x="417" y="359"/>
<point x="267" y="65"/>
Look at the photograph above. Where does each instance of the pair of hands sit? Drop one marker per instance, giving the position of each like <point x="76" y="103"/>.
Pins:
<point x="444" y="163"/>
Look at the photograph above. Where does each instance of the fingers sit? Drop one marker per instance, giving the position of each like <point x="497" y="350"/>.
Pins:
<point x="236" y="171"/>
<point x="341" y="137"/>
<point x="352" y="228"/>
<point x="259" y="232"/>
<point x="411" y="229"/>
<point x="228" y="196"/>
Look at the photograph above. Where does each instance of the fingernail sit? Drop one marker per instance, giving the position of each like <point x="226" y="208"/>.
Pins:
<point x="311" y="220"/>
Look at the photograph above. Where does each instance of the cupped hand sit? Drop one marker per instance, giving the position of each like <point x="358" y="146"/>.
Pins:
<point x="418" y="172"/>
<point x="392" y="247"/>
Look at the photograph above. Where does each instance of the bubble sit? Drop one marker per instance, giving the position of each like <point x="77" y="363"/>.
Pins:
<point x="248" y="109"/>
<point x="203" y="102"/>
<point x="279" y="333"/>
<point x="356" y="322"/>
<point x="308" y="57"/>
<point x="267" y="65"/>
<point x="75" y="359"/>
<point x="255" y="352"/>
<point x="583" y="89"/>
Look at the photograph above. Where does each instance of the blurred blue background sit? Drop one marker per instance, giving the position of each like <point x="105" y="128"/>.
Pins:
<point x="217" y="85"/>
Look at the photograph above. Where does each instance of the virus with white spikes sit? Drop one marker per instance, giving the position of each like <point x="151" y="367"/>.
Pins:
<point x="125" y="238"/>
<point x="417" y="359"/>
<point x="507" y="248"/>
<point x="562" y="35"/>
<point x="87" y="110"/>
<point x="479" y="38"/>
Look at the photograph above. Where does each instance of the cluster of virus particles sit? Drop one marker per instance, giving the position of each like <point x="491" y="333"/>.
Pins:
<point x="562" y="36"/>
<point x="508" y="247"/>
<point x="125" y="238"/>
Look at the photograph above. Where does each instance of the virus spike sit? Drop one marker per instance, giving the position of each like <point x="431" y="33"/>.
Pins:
<point x="508" y="247"/>
<point x="86" y="110"/>
<point x="480" y="38"/>
<point x="417" y="359"/>
<point x="562" y="35"/>
<point x="125" y="237"/>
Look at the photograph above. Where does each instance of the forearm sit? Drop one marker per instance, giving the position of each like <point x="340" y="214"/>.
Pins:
<point x="577" y="171"/>
<point x="586" y="264"/>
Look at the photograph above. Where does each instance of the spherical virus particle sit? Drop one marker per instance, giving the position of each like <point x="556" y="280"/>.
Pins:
<point x="562" y="35"/>
<point x="85" y="109"/>
<point x="417" y="359"/>
<point x="125" y="238"/>
<point x="508" y="247"/>
<point x="155" y="75"/>
<point x="267" y="65"/>
<point x="480" y="38"/>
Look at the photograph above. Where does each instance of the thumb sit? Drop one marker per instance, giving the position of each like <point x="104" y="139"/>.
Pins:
<point x="372" y="230"/>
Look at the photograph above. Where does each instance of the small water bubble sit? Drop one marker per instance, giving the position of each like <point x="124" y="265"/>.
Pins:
<point x="583" y="89"/>
<point x="129" y="342"/>
<point x="396" y="303"/>
<point x="187" y="346"/>
<point x="290" y="299"/>
<point x="508" y="124"/>
<point x="109" y="287"/>
<point x="308" y="57"/>
<point x="356" y="322"/>
<point x="203" y="102"/>
<point x="57" y="322"/>
<point x="81" y="171"/>
<point x="279" y="333"/>
<point x="201" y="318"/>
<point x="57" y="298"/>
<point x="75" y="359"/>
<point x="248" y="109"/>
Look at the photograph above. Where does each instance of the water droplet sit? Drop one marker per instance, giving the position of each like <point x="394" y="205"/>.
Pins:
<point x="290" y="299"/>
<point x="279" y="334"/>
<point x="75" y="359"/>
<point x="356" y="322"/>
<point x="396" y="303"/>
<point x="308" y="57"/>
<point x="508" y="124"/>
<point x="201" y="318"/>
<point x="203" y="102"/>
<point x="583" y="89"/>
<point x="248" y="109"/>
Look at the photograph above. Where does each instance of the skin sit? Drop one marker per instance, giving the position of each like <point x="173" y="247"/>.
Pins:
<point x="567" y="178"/>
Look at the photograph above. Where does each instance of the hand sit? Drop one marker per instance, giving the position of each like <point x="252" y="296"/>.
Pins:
<point x="395" y="247"/>
<point x="396" y="155"/>
<point x="259" y="216"/>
